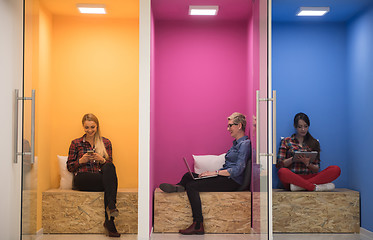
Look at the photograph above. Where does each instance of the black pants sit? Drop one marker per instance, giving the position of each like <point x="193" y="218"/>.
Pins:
<point x="106" y="181"/>
<point x="214" y="184"/>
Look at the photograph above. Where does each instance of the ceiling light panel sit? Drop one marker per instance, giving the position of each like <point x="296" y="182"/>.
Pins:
<point x="91" y="8"/>
<point x="313" y="11"/>
<point x="203" y="10"/>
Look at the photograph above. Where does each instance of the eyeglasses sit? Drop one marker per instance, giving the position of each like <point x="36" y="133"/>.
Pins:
<point x="230" y="125"/>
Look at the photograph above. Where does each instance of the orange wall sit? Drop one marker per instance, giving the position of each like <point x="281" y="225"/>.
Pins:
<point x="95" y="65"/>
<point x="38" y="33"/>
<point x="79" y="65"/>
<point x="43" y="114"/>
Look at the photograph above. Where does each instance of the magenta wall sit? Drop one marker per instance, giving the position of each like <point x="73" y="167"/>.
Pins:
<point x="200" y="78"/>
<point x="251" y="110"/>
<point x="253" y="79"/>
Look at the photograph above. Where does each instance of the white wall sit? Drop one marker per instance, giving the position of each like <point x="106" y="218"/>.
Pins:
<point x="11" y="78"/>
<point x="144" y="219"/>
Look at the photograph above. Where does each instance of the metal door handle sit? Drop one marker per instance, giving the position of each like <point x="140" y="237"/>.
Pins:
<point x="32" y="152"/>
<point x="274" y="122"/>
<point x="15" y="143"/>
<point x="257" y="127"/>
<point x="274" y="150"/>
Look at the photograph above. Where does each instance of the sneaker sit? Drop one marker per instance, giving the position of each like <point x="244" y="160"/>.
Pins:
<point x="324" y="187"/>
<point x="295" y="188"/>
<point x="170" y="188"/>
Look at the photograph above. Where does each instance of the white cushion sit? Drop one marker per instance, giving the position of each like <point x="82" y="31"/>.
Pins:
<point x="66" y="181"/>
<point x="203" y="163"/>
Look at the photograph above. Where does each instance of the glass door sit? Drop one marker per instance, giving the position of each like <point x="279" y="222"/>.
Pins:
<point x="29" y="161"/>
<point x="29" y="170"/>
<point x="258" y="98"/>
<point x="263" y="147"/>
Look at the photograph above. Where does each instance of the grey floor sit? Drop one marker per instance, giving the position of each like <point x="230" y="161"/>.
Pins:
<point x="362" y="236"/>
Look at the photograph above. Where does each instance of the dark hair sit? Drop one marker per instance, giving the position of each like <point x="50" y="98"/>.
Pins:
<point x="308" y="139"/>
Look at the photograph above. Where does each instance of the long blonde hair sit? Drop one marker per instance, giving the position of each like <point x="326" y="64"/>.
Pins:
<point x="99" y="144"/>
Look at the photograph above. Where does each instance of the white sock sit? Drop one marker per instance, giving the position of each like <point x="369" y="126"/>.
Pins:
<point x="296" y="188"/>
<point x="324" y="187"/>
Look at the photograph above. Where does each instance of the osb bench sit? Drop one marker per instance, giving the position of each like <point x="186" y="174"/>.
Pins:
<point x="223" y="212"/>
<point x="69" y="211"/>
<point x="316" y="212"/>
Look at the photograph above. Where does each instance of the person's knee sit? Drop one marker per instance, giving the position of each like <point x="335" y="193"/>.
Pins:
<point x="282" y="171"/>
<point x="336" y="170"/>
<point x="186" y="175"/>
<point x="108" y="166"/>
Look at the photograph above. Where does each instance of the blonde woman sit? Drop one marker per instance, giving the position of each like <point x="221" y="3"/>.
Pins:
<point x="90" y="159"/>
<point x="229" y="178"/>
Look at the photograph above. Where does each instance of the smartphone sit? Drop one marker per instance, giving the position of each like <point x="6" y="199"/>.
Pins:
<point x="90" y="151"/>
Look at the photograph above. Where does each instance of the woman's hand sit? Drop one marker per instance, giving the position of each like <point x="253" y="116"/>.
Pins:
<point x="85" y="158"/>
<point x="208" y="173"/>
<point x="287" y="162"/>
<point x="305" y="160"/>
<point x="97" y="158"/>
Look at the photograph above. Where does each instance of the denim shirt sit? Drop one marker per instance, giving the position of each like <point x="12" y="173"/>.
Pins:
<point x="236" y="158"/>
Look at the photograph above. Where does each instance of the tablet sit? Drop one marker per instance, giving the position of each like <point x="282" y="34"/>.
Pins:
<point x="311" y="155"/>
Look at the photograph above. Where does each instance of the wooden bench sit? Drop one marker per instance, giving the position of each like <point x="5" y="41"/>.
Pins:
<point x="69" y="211"/>
<point x="223" y="212"/>
<point x="316" y="212"/>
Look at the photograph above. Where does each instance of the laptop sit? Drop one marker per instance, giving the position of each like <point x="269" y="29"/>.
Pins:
<point x="190" y="171"/>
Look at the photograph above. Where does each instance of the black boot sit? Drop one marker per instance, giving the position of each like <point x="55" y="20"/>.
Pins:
<point x="195" y="228"/>
<point x="170" y="188"/>
<point x="110" y="228"/>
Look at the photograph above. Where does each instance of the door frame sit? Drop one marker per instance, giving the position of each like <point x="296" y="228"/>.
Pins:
<point x="11" y="68"/>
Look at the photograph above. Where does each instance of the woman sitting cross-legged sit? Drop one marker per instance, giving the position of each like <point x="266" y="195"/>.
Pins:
<point x="227" y="179"/>
<point x="303" y="173"/>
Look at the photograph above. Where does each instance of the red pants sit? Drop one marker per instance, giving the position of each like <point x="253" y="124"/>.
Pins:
<point x="308" y="181"/>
